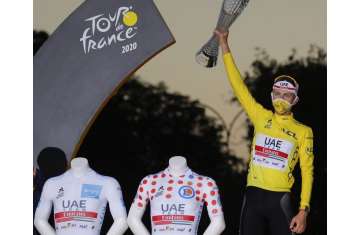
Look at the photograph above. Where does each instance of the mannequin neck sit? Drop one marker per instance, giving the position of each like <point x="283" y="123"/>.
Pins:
<point x="178" y="165"/>
<point x="80" y="167"/>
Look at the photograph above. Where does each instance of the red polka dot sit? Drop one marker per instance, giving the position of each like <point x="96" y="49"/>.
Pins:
<point x="140" y="204"/>
<point x="197" y="199"/>
<point x="204" y="195"/>
<point x="141" y="189"/>
<point x="210" y="184"/>
<point x="171" y="181"/>
<point x="155" y="176"/>
<point x="145" y="182"/>
<point x="200" y="178"/>
<point x="153" y="183"/>
<point x="153" y="190"/>
<point x="212" y="193"/>
<point x="180" y="182"/>
<point x="214" y="211"/>
<point x="163" y="175"/>
<point x="206" y="203"/>
<point x="168" y="195"/>
<point x="169" y="188"/>
<point x="199" y="184"/>
<point x="197" y="191"/>
<point x="213" y="202"/>
<point x="189" y="183"/>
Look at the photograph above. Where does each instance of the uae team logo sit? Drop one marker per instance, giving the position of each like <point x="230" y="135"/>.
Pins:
<point x="186" y="192"/>
<point x="107" y="29"/>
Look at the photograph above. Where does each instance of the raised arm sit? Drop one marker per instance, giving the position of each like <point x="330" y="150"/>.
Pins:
<point x="247" y="101"/>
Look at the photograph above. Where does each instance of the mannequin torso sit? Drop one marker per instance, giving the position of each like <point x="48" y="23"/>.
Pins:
<point x="79" y="198"/>
<point x="176" y="197"/>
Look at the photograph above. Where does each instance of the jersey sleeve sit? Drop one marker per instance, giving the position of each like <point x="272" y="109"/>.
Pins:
<point x="115" y="198"/>
<point x="142" y="196"/>
<point x="44" y="206"/>
<point x="242" y="93"/>
<point x="211" y="197"/>
<point x="306" y="156"/>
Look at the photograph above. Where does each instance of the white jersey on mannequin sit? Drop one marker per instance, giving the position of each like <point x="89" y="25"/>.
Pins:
<point x="176" y="202"/>
<point x="79" y="202"/>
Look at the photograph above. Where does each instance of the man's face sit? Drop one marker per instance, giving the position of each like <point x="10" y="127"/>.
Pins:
<point x="283" y="94"/>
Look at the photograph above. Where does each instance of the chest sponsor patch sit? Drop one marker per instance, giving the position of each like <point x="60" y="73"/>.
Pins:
<point x="186" y="192"/>
<point x="66" y="216"/>
<point x="271" y="152"/>
<point x="90" y="191"/>
<point x="173" y="219"/>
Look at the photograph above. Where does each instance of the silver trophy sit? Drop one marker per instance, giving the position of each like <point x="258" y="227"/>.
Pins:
<point x="230" y="10"/>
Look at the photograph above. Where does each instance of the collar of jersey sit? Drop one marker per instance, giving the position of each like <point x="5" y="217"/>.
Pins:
<point x="90" y="172"/>
<point x="185" y="175"/>
<point x="284" y="118"/>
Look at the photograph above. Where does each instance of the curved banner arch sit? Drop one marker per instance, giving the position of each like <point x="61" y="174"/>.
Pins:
<point x="89" y="56"/>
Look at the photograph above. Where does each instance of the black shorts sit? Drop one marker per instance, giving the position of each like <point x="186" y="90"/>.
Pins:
<point x="266" y="212"/>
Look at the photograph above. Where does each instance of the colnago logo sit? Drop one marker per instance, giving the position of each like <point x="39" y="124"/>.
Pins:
<point x="106" y="29"/>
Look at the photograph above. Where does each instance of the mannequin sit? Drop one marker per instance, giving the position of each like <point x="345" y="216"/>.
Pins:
<point x="79" y="197"/>
<point x="179" y="172"/>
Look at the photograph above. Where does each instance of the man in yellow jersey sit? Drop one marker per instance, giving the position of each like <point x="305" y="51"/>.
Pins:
<point x="279" y="143"/>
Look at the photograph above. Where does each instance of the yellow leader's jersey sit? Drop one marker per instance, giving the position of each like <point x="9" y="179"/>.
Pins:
<point x="279" y="142"/>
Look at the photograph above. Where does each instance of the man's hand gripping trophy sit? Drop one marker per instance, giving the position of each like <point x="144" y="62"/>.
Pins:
<point x="230" y="10"/>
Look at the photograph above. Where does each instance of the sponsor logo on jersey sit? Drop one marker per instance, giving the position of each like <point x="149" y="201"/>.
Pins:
<point x="309" y="150"/>
<point x="173" y="219"/>
<point x="83" y="226"/>
<point x="186" y="192"/>
<point x="268" y="124"/>
<point x="173" y="214"/>
<point x="289" y="133"/>
<point x="271" y="152"/>
<point x="74" y="204"/>
<point x="90" y="191"/>
<point x="74" y="210"/>
<point x="60" y="193"/>
<point x="173" y="209"/>
<point x="160" y="191"/>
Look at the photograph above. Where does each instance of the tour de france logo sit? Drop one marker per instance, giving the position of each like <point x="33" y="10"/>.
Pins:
<point x="186" y="192"/>
<point x="104" y="30"/>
